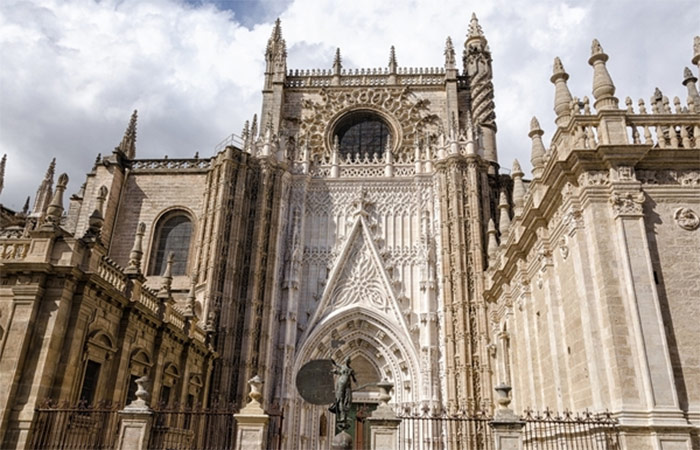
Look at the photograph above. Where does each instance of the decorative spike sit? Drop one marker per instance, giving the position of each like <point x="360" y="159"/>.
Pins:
<point x="562" y="95"/>
<point x="25" y="208"/>
<point x="136" y="253"/>
<point x="537" y="154"/>
<point x="45" y="191"/>
<point x="492" y="243"/>
<point x="96" y="219"/>
<point x="55" y="209"/>
<point x="504" y="219"/>
<point x="128" y="144"/>
<point x="167" y="282"/>
<point x="337" y="62"/>
<point x="518" y="188"/>
<point x="696" y="51"/>
<point x="254" y="128"/>
<point x="689" y="82"/>
<point x="191" y="298"/>
<point x="449" y="54"/>
<point x="603" y="87"/>
<point x="392" y="60"/>
<point x="475" y="29"/>
<point x="628" y="103"/>
<point x="3" y="161"/>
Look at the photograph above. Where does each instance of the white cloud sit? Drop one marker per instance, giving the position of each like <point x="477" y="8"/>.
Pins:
<point x="72" y="71"/>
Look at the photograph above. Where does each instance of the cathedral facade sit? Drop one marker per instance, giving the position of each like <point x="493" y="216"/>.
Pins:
<point x="365" y="214"/>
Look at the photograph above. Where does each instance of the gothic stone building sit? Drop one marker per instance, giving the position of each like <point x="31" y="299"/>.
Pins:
<point x="369" y="217"/>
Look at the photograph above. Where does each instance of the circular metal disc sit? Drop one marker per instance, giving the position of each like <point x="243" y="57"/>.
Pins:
<point x="315" y="382"/>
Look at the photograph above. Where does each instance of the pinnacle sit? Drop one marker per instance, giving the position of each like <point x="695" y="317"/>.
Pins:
<point x="277" y="31"/>
<point x="337" y="61"/>
<point x="558" y="66"/>
<point x="128" y="143"/>
<point x="534" y="124"/>
<point x="392" y="56"/>
<point x="516" y="167"/>
<point x="596" y="48"/>
<point x="51" y="169"/>
<point x="474" y="27"/>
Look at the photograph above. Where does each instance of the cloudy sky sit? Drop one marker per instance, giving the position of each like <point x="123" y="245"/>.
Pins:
<point x="71" y="72"/>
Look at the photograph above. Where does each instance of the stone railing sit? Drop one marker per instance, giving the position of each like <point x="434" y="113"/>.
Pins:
<point x="366" y="77"/>
<point x="109" y="271"/>
<point x="149" y="300"/>
<point x="14" y="249"/>
<point x="174" y="317"/>
<point x="170" y="164"/>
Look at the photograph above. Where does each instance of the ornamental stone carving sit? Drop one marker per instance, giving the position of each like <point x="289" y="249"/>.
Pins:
<point x="627" y="203"/>
<point x="408" y="114"/>
<point x="687" y="219"/>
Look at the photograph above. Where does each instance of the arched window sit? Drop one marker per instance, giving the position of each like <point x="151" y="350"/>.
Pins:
<point x="173" y="234"/>
<point x="362" y="132"/>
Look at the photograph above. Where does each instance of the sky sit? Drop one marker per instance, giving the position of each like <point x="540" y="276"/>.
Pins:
<point x="72" y="71"/>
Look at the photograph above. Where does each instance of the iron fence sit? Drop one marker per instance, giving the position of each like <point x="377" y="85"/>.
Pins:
<point x="569" y="431"/>
<point x="442" y="430"/>
<point x="64" y="426"/>
<point x="193" y="428"/>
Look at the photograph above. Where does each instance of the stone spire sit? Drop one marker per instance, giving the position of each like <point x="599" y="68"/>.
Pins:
<point x="392" y="60"/>
<point x="562" y="95"/>
<point x="128" y="144"/>
<point x="55" y="209"/>
<point x="276" y="51"/>
<point x="25" y="208"/>
<point x="337" y="62"/>
<point x="449" y="54"/>
<point x="254" y="128"/>
<point x="96" y="219"/>
<point x="3" y="161"/>
<point x="696" y="51"/>
<point x="476" y="60"/>
<point x="191" y="298"/>
<point x="167" y="282"/>
<point x="603" y="87"/>
<point x="518" y="188"/>
<point x="689" y="82"/>
<point x="43" y="194"/>
<point x="537" y="154"/>
<point x="136" y="253"/>
<point x="504" y="219"/>
<point x="492" y="243"/>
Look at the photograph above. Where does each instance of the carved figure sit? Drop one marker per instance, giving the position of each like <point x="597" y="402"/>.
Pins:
<point x="343" y="392"/>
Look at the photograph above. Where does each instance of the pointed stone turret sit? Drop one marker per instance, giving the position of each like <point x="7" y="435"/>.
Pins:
<point x="603" y="87"/>
<point x="25" y="208"/>
<point x="696" y="51"/>
<point x="518" y="188"/>
<point x="562" y="95"/>
<point x="492" y="243"/>
<point x="537" y="154"/>
<point x="337" y="62"/>
<point x="190" y="302"/>
<point x="689" y="81"/>
<point x="55" y="209"/>
<point x="96" y="219"/>
<point x="254" y="128"/>
<point x="504" y="218"/>
<point x="3" y="161"/>
<point x="128" y="144"/>
<point x="44" y="193"/>
<point x="449" y="54"/>
<point x="477" y="68"/>
<point x="167" y="281"/>
<point x="392" y="62"/>
<point x="276" y="50"/>
<point x="136" y="254"/>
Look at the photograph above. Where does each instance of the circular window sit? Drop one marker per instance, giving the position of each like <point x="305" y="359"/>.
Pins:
<point x="362" y="133"/>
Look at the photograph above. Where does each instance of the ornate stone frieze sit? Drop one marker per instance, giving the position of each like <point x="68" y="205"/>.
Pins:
<point x="627" y="203"/>
<point x="594" y="178"/>
<point x="687" y="219"/>
<point x="682" y="177"/>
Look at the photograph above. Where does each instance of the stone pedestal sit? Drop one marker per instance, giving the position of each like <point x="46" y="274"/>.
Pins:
<point x="135" y="420"/>
<point x="507" y="427"/>
<point x="341" y="441"/>
<point x="383" y="423"/>
<point x="252" y="421"/>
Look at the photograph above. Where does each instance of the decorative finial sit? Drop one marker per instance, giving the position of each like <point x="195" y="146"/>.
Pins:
<point x="141" y="394"/>
<point x="518" y="187"/>
<point x="474" y="27"/>
<point x="44" y="193"/>
<point x="3" y="161"/>
<point x="96" y="219"/>
<point x="689" y="82"/>
<point x="128" y="144"/>
<point x="603" y="87"/>
<point x="25" y="208"/>
<point x="337" y="62"/>
<point x="167" y="276"/>
<point x="254" y="128"/>
<point x="392" y="60"/>
<point x="449" y="54"/>
<point x="55" y="208"/>
<point x="504" y="218"/>
<point x="696" y="51"/>
<point x="136" y="253"/>
<point x="492" y="244"/>
<point x="537" y="154"/>
<point x="191" y="298"/>
<point x="562" y="95"/>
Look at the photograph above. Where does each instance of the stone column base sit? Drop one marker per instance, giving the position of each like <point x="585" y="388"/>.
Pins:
<point x="384" y="433"/>
<point x="251" y="427"/>
<point x="134" y="429"/>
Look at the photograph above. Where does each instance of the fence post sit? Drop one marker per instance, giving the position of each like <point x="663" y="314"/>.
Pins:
<point x="383" y="423"/>
<point x="507" y="426"/>
<point x="135" y="420"/>
<point x="252" y="420"/>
